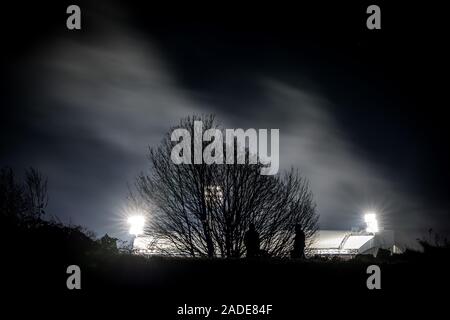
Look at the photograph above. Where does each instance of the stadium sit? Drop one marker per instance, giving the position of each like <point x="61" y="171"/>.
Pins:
<point x="325" y="243"/>
<point x="348" y="244"/>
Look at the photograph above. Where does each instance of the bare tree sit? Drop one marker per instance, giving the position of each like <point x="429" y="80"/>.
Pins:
<point x="36" y="193"/>
<point x="23" y="202"/>
<point x="205" y="210"/>
<point x="12" y="202"/>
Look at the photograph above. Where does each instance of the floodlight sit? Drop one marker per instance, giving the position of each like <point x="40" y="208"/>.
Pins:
<point x="371" y="222"/>
<point x="137" y="224"/>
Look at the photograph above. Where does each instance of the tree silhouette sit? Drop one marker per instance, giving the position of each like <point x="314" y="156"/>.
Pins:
<point x="22" y="202"/>
<point x="205" y="210"/>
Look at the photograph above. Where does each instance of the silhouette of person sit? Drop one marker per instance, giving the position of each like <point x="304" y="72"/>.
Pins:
<point x="251" y="241"/>
<point x="299" y="243"/>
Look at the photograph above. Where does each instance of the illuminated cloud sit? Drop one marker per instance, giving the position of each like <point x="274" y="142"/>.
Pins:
<point x="95" y="105"/>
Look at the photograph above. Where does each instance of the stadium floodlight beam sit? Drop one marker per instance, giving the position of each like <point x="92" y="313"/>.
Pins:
<point x="137" y="224"/>
<point x="371" y="222"/>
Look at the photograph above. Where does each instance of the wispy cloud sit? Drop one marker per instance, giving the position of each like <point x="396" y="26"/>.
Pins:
<point x="97" y="106"/>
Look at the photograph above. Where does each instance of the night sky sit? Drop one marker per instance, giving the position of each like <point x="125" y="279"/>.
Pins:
<point x="361" y="113"/>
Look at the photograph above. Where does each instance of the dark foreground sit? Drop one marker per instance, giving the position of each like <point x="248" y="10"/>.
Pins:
<point x="158" y="287"/>
<point x="36" y="255"/>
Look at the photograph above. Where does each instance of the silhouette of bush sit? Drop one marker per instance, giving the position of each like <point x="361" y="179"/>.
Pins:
<point x="25" y="231"/>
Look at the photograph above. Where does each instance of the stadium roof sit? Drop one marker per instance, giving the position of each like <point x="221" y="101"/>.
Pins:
<point x="330" y="242"/>
<point x="326" y="239"/>
<point x="356" y="241"/>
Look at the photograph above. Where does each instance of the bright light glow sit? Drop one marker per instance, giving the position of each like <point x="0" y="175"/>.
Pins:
<point x="371" y="221"/>
<point x="137" y="224"/>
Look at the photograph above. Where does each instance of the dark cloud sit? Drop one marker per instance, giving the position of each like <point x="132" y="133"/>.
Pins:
<point x="93" y="106"/>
